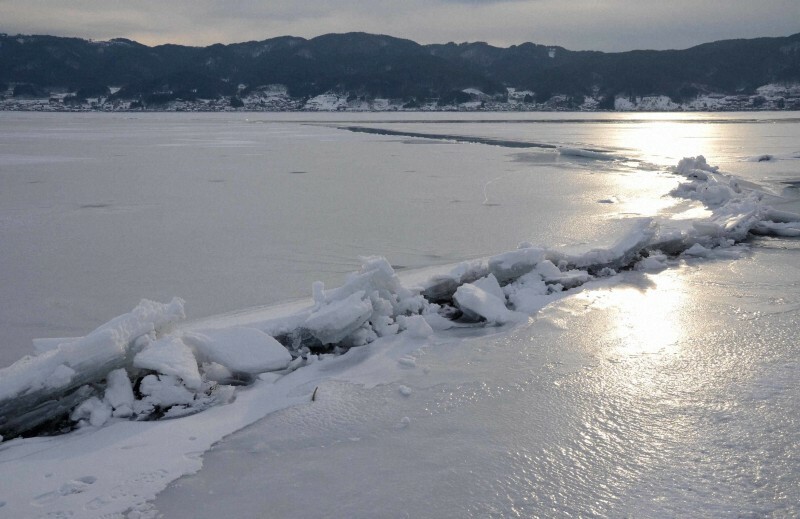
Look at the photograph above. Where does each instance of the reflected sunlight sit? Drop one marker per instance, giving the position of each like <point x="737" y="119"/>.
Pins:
<point x="658" y="143"/>
<point x="666" y="142"/>
<point x="648" y="320"/>
<point x="647" y="202"/>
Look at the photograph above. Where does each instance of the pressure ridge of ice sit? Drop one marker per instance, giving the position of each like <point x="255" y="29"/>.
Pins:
<point x="144" y="366"/>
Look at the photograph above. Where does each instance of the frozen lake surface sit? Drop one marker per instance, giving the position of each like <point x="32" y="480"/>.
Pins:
<point x="663" y="391"/>
<point x="97" y="212"/>
<point x="232" y="211"/>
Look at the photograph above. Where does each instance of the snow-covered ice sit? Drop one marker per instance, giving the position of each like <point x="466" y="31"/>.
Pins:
<point x="242" y="349"/>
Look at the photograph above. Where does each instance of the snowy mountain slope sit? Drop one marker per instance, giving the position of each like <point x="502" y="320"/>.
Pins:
<point x="366" y="66"/>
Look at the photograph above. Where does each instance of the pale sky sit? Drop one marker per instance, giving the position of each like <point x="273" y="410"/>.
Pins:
<point x="608" y="25"/>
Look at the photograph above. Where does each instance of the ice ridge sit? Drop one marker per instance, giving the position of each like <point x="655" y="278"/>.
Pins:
<point x="141" y="366"/>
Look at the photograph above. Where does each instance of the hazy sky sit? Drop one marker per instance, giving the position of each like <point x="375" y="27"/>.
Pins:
<point x="609" y="25"/>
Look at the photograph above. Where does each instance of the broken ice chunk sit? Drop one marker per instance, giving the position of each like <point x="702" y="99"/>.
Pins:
<point x="94" y="410"/>
<point x="119" y="393"/>
<point x="477" y="303"/>
<point x="163" y="391"/>
<point x="240" y="349"/>
<point x="514" y="264"/>
<point x="689" y="166"/>
<point x="170" y="356"/>
<point x="569" y="279"/>
<point x="338" y="319"/>
<point x="653" y="263"/>
<point x="490" y="285"/>
<point x="375" y="274"/>
<point x="786" y="229"/>
<point x="416" y="326"/>
<point x="216" y="372"/>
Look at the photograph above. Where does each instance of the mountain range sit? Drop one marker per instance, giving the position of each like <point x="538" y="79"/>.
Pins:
<point x="368" y="66"/>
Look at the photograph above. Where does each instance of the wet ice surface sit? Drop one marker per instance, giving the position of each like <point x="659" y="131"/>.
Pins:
<point x="669" y="395"/>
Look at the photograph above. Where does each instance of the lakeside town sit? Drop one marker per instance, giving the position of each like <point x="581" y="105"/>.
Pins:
<point x="276" y="98"/>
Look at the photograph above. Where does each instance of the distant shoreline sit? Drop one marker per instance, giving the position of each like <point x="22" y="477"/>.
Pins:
<point x="43" y="108"/>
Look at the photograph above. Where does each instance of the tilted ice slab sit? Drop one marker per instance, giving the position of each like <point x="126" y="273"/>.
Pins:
<point x="483" y="299"/>
<point x="239" y="349"/>
<point x="124" y="378"/>
<point x="39" y="388"/>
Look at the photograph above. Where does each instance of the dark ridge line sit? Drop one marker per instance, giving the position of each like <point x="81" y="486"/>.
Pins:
<point x="462" y="138"/>
<point x="446" y="137"/>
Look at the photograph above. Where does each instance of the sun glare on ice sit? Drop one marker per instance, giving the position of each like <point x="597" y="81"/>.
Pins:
<point x="664" y="142"/>
<point x="646" y="320"/>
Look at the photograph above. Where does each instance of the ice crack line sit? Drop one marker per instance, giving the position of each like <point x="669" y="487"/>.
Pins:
<point x="486" y="201"/>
